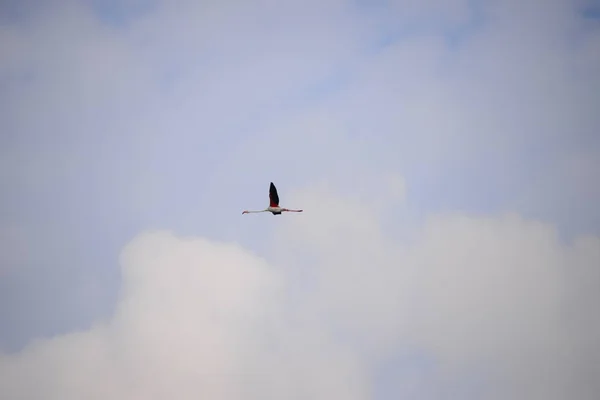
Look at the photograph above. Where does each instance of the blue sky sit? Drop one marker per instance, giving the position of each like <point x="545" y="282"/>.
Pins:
<point x="118" y="118"/>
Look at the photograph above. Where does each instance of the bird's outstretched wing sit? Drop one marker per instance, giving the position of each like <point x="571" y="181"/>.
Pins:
<point x="273" y="196"/>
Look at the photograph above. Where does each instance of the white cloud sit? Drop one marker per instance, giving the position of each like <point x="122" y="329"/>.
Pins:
<point x="499" y="299"/>
<point x="520" y="85"/>
<point x="496" y="296"/>
<point x="195" y="319"/>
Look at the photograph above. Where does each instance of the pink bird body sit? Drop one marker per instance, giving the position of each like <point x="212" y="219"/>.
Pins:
<point x="274" y="207"/>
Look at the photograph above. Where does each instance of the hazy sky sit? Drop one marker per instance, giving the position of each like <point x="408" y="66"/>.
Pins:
<point x="446" y="154"/>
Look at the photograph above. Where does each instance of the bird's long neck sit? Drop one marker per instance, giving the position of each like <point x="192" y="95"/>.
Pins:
<point x="252" y="211"/>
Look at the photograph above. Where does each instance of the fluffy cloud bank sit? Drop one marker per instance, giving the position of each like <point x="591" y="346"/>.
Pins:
<point x="496" y="302"/>
<point x="499" y="303"/>
<point x="196" y="319"/>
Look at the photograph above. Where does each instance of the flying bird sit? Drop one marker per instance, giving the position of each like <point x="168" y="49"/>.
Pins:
<point x="273" y="204"/>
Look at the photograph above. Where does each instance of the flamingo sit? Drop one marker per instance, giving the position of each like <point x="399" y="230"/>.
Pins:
<point x="273" y="204"/>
